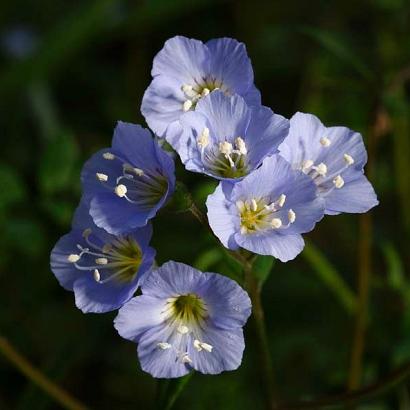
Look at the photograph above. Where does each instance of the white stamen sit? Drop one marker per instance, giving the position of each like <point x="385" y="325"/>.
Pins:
<point x="291" y="216"/>
<point x="339" y="182"/>
<point x="254" y="205"/>
<point x="101" y="261"/>
<point x="241" y="146"/>
<point x="183" y="329"/>
<point x="101" y="177"/>
<point x="276" y="223"/>
<point x="203" y="139"/>
<point x="96" y="275"/>
<point x="87" y="232"/>
<point x="202" y="346"/>
<point x="205" y="92"/>
<point x="281" y="200"/>
<point x="349" y="159"/>
<point x="108" y="155"/>
<point x="187" y="105"/>
<point x="225" y="148"/>
<point x="186" y="359"/>
<point x="321" y="169"/>
<point x="206" y="347"/>
<point x="240" y="205"/>
<point x="307" y="164"/>
<point x="186" y="88"/>
<point x="244" y="230"/>
<point x="164" y="345"/>
<point x="325" y="141"/>
<point x="121" y="190"/>
<point x="73" y="258"/>
<point x="139" y="172"/>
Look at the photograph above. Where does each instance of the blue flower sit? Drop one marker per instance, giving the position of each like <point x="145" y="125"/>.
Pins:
<point x="225" y="138"/>
<point x="186" y="319"/>
<point x="185" y="70"/>
<point x="126" y="185"/>
<point x="267" y="211"/>
<point x="103" y="270"/>
<point x="334" y="158"/>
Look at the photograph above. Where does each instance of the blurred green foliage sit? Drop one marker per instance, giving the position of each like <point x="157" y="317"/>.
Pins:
<point x="70" y="70"/>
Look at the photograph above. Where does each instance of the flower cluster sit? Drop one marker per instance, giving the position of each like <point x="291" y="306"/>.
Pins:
<point x="277" y="179"/>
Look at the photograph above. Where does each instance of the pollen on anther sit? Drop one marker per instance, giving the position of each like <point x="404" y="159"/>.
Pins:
<point x="281" y="200"/>
<point x="186" y="358"/>
<point x="339" y="182"/>
<point x="205" y="92"/>
<point x="164" y="345"/>
<point x="254" y="205"/>
<point x="101" y="177"/>
<point x="276" y="223"/>
<point x="291" y="216"/>
<point x="186" y="88"/>
<point x="241" y="146"/>
<point x="321" y="169"/>
<point x="121" y="190"/>
<point x="139" y="172"/>
<point x="96" y="275"/>
<point x="101" y="261"/>
<point x="325" y="141"/>
<point x="73" y="258"/>
<point x="225" y="148"/>
<point x="187" y="105"/>
<point x="349" y="159"/>
<point x="183" y="329"/>
<point x="108" y="155"/>
<point x="203" y="139"/>
<point x="307" y="164"/>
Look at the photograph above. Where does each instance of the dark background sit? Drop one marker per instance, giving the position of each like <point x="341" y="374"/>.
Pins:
<point x="69" y="70"/>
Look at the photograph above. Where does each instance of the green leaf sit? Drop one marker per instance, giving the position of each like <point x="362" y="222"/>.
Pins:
<point x="208" y="258"/>
<point x="12" y="187"/>
<point x="328" y="274"/>
<point x="395" y="272"/>
<point x="57" y="164"/>
<point x="339" y="47"/>
<point x="262" y="267"/>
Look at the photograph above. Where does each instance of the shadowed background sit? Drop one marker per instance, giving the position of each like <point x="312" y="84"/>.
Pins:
<point x="70" y="70"/>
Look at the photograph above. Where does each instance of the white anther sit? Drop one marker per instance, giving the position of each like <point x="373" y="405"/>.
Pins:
<point x="244" y="230"/>
<point x="139" y="172"/>
<point x="87" y="232"/>
<point x="339" y="182"/>
<point x="202" y="346"/>
<point x="164" y="345"/>
<point x="203" y="139"/>
<point x="96" y="275"/>
<point x="349" y="159"/>
<point x="108" y="155"/>
<point x="291" y="216"/>
<point x="276" y="223"/>
<point x="241" y="146"/>
<point x="225" y="148"/>
<point x="107" y="248"/>
<point x="321" y="169"/>
<point x="101" y="261"/>
<point x="325" y="141"/>
<point x="281" y="200"/>
<point x="73" y="258"/>
<point x="186" y="359"/>
<point x="254" y="205"/>
<point x="101" y="177"/>
<point x="187" y="105"/>
<point x="240" y="205"/>
<point x="186" y="88"/>
<point x="120" y="190"/>
<point x="183" y="329"/>
<point x="205" y="92"/>
<point x="307" y="164"/>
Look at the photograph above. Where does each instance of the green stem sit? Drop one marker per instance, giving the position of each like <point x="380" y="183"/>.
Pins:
<point x="393" y="380"/>
<point x="182" y="382"/>
<point x="254" y="289"/>
<point x="25" y="367"/>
